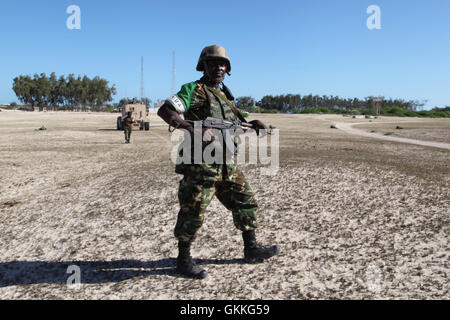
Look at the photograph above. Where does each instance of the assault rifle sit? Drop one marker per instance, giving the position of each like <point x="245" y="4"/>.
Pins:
<point x="225" y="126"/>
<point x="221" y="124"/>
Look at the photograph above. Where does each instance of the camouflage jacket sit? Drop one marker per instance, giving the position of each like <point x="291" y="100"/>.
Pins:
<point x="197" y="101"/>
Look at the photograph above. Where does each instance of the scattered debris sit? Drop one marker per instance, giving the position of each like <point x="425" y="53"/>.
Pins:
<point x="388" y="133"/>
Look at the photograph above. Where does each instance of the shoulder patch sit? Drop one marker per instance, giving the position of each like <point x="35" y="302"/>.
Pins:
<point x="177" y="103"/>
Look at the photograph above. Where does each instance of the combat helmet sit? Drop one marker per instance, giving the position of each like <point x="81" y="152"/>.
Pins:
<point x="213" y="52"/>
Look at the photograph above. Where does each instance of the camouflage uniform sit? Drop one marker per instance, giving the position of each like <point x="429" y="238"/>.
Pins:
<point x="127" y="127"/>
<point x="201" y="182"/>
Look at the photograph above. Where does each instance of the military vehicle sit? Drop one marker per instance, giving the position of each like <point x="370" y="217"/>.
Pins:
<point x="139" y="113"/>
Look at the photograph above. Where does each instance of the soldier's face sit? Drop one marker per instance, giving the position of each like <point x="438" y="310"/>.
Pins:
<point x="215" y="70"/>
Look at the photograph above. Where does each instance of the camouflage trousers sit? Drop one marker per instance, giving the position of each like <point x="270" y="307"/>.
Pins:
<point x="127" y="131"/>
<point x="201" y="182"/>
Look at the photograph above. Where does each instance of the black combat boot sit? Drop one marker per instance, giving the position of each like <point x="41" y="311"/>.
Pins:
<point x="185" y="265"/>
<point x="254" y="252"/>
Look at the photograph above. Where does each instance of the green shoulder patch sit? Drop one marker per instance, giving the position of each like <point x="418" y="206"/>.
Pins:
<point x="182" y="100"/>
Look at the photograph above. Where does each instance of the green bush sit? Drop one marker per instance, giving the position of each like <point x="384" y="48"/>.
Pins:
<point x="410" y="113"/>
<point x="368" y="112"/>
<point x="342" y="111"/>
<point x="394" y="110"/>
<point x="110" y="109"/>
<point x="252" y="109"/>
<point x="399" y="112"/>
<point x="268" y="110"/>
<point x="310" y="110"/>
<point x="25" y="108"/>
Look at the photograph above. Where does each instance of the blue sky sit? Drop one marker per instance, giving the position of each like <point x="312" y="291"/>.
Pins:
<point x="276" y="47"/>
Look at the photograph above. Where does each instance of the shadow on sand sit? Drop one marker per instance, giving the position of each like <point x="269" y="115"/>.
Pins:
<point x="39" y="272"/>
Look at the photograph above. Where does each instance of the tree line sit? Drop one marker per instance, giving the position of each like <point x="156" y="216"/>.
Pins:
<point x="63" y="93"/>
<point x="83" y="93"/>
<point x="295" y="103"/>
<point x="298" y="103"/>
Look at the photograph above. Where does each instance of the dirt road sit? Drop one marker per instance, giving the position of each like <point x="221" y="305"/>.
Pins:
<point x="348" y="127"/>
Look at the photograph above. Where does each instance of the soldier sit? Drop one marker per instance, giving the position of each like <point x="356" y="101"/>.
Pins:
<point x="127" y="126"/>
<point x="196" y="101"/>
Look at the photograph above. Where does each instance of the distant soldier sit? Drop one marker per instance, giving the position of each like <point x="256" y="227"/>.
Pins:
<point x="128" y="126"/>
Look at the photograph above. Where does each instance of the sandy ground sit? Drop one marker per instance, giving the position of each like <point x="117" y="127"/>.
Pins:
<point x="355" y="217"/>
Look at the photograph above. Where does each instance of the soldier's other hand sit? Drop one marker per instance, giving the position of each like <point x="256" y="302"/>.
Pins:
<point x="208" y="136"/>
<point x="258" y="125"/>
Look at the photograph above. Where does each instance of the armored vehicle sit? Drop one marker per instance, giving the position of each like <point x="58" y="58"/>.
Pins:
<point x="139" y="114"/>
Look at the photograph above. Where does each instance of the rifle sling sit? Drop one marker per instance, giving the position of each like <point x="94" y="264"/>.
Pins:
<point x="228" y="102"/>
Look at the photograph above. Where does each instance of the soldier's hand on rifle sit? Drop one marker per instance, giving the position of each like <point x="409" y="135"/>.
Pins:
<point x="169" y="115"/>
<point x="208" y="136"/>
<point x="258" y="125"/>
